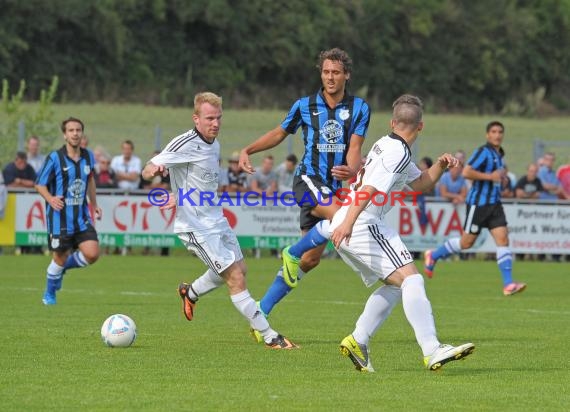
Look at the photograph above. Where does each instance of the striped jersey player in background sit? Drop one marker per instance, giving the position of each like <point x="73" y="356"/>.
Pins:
<point x="65" y="181"/>
<point x="484" y="209"/>
<point x="334" y="125"/>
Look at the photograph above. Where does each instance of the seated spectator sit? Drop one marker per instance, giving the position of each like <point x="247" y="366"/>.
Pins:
<point x="551" y="184"/>
<point x="563" y="174"/>
<point x="285" y="173"/>
<point x="19" y="173"/>
<point x="529" y="186"/>
<point x="35" y="158"/>
<point x="264" y="178"/>
<point x="127" y="167"/>
<point x="452" y="185"/>
<point x="105" y="176"/>
<point x="237" y="178"/>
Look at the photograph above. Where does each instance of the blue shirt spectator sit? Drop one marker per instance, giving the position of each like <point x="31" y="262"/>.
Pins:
<point x="551" y="184"/>
<point x="453" y="186"/>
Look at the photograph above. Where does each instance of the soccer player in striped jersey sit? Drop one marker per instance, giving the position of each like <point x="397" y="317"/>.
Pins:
<point x="334" y="125"/>
<point x="484" y="209"/>
<point x="192" y="160"/>
<point x="66" y="181"/>
<point x="375" y="250"/>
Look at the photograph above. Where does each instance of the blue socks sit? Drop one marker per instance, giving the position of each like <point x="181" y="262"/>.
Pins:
<point x="505" y="262"/>
<point x="277" y="291"/>
<point x="75" y="260"/>
<point x="317" y="236"/>
<point x="448" y="248"/>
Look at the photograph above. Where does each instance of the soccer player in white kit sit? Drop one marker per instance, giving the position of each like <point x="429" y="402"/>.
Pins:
<point x="376" y="251"/>
<point x="192" y="160"/>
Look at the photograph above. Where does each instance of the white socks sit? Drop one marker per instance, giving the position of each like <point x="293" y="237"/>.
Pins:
<point x="245" y="304"/>
<point x="377" y="309"/>
<point x="54" y="271"/>
<point x="453" y="245"/>
<point x="418" y="312"/>
<point x="204" y="284"/>
<point x="323" y="228"/>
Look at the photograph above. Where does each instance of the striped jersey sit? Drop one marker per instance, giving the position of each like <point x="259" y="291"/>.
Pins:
<point x="326" y="132"/>
<point x="67" y="178"/>
<point x="388" y="169"/>
<point x="485" y="159"/>
<point x="193" y="166"/>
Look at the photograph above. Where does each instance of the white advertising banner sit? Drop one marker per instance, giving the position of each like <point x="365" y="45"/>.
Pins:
<point x="134" y="221"/>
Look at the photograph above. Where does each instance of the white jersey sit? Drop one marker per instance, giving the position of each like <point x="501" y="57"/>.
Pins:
<point x="193" y="165"/>
<point x="388" y="169"/>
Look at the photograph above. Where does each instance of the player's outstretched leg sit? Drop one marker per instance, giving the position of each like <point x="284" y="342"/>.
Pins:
<point x="377" y="309"/>
<point x="357" y="353"/>
<point x="317" y="236"/>
<point x="505" y="263"/>
<point x="53" y="283"/>
<point x="431" y="257"/>
<point x="418" y="311"/>
<point x="189" y="293"/>
<point x="447" y="353"/>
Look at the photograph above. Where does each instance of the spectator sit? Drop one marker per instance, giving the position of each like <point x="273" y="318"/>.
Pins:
<point x="222" y="176"/>
<point x="105" y="176"/>
<point x="453" y="186"/>
<point x="529" y="186"/>
<point x="237" y="178"/>
<point x="552" y="186"/>
<point x="424" y="164"/>
<point x="160" y="181"/>
<point x="285" y="172"/>
<point x="84" y="142"/>
<point x="3" y="198"/>
<point x="507" y="184"/>
<point x="563" y="174"/>
<point x="264" y="178"/>
<point x="127" y="167"/>
<point x="19" y="173"/>
<point x="35" y="159"/>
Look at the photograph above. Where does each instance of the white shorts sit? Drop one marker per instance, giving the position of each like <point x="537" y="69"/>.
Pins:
<point x="375" y="251"/>
<point x="217" y="249"/>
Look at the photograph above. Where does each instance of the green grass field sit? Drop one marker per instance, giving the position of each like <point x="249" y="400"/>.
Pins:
<point x="109" y="124"/>
<point x="53" y="358"/>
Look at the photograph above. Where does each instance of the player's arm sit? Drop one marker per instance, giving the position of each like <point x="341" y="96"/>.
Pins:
<point x="92" y="196"/>
<point x="269" y="140"/>
<point x="427" y="180"/>
<point x="151" y="170"/>
<point x="344" y="230"/>
<point x="56" y="202"/>
<point x="470" y="173"/>
<point x="353" y="159"/>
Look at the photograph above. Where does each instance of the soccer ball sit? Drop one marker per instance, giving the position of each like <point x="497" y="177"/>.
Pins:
<point x="118" y="331"/>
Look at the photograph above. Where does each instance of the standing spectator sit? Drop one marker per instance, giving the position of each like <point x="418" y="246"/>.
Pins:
<point x="35" y="158"/>
<point x="236" y="177"/>
<point x="105" y="176"/>
<point x="19" y="173"/>
<point x="127" y="167"/>
<point x="552" y="187"/>
<point x="529" y="186"/>
<point x="285" y="173"/>
<point x="264" y="178"/>
<point x="453" y="186"/>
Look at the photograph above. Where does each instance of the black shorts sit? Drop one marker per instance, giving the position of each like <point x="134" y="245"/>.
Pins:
<point x="489" y="216"/>
<point x="61" y="243"/>
<point x="309" y="191"/>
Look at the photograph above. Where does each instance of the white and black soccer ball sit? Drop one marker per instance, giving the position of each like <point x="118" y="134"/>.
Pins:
<point x="118" y="331"/>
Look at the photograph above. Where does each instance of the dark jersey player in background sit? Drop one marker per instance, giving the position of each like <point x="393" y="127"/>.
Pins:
<point x="334" y="125"/>
<point x="484" y="209"/>
<point x="65" y="181"/>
